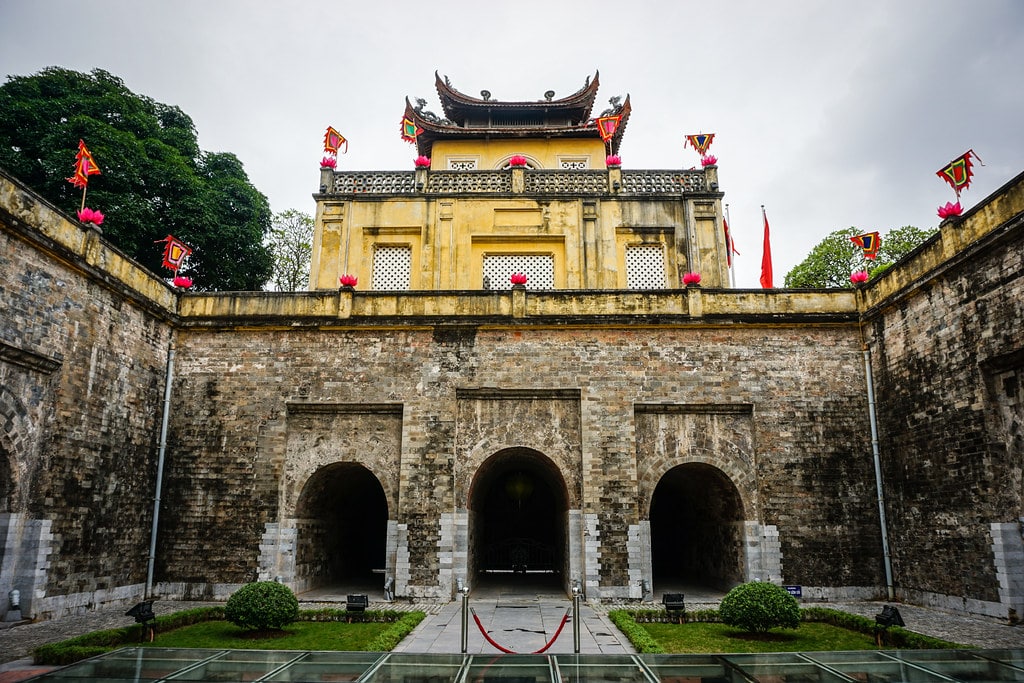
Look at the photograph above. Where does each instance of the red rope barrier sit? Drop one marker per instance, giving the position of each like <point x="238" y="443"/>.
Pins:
<point x="565" y="618"/>
<point x="487" y="637"/>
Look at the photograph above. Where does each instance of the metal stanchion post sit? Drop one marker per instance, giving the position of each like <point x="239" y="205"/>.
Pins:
<point x="576" y="599"/>
<point x="464" y="589"/>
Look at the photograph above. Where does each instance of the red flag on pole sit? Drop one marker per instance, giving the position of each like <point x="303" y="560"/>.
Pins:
<point x="730" y="246"/>
<point x="84" y="166"/>
<point x="766" y="257"/>
<point x="175" y="252"/>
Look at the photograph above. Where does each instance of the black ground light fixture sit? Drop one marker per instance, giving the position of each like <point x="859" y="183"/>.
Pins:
<point x="143" y="614"/>
<point x="889" y="616"/>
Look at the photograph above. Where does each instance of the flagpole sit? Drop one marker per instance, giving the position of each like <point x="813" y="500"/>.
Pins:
<point x="729" y="251"/>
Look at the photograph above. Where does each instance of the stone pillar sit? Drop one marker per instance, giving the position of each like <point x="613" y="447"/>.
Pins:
<point x="641" y="572"/>
<point x="763" y="552"/>
<point x="1008" y="552"/>
<point x="518" y="179"/>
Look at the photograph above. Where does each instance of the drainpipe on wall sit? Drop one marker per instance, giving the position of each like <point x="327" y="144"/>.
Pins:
<point x="878" y="474"/>
<point x="160" y="468"/>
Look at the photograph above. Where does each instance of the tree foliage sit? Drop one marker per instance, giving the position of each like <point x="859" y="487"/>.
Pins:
<point x="291" y="242"/>
<point x="833" y="259"/>
<point x="154" y="181"/>
<point x="759" y="606"/>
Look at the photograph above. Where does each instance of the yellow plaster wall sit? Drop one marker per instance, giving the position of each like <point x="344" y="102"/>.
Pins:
<point x="496" y="153"/>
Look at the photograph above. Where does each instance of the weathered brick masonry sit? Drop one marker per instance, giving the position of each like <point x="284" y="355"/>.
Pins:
<point x="949" y="364"/>
<point x="82" y="360"/>
<point x="809" y="470"/>
<point x="754" y="402"/>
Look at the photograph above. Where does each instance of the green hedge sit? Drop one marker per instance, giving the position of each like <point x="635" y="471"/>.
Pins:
<point x="628" y="621"/>
<point x="637" y="634"/>
<point x="99" y="642"/>
<point x="894" y="636"/>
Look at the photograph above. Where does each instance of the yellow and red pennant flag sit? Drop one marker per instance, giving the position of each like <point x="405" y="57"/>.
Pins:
<point x="333" y="140"/>
<point x="410" y="131"/>
<point x="870" y="242"/>
<point x="958" y="172"/>
<point x="84" y="166"/>
<point x="701" y="141"/>
<point x="607" y="125"/>
<point x="175" y="252"/>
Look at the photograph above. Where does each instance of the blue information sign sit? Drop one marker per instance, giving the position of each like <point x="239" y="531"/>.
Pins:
<point x="795" y="591"/>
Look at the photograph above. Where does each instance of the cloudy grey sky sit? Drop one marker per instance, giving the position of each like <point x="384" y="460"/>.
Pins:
<point x="831" y="114"/>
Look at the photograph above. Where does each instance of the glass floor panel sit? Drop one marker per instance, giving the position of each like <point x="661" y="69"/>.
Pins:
<point x="913" y="666"/>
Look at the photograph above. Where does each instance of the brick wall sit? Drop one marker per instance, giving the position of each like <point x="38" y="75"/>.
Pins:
<point x="948" y="363"/>
<point x="82" y="368"/>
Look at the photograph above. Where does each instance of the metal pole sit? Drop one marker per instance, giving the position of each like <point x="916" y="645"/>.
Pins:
<point x="160" y="468"/>
<point x="576" y="617"/>
<point x="465" y="617"/>
<point x="878" y="475"/>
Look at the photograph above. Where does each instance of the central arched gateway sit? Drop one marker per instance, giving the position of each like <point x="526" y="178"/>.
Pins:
<point x="697" y="534"/>
<point x="518" y="521"/>
<point x="342" y="518"/>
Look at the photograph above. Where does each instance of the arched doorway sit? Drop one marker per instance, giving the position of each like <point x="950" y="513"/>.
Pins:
<point x="518" y="523"/>
<point x="696" y="529"/>
<point x="341" y="523"/>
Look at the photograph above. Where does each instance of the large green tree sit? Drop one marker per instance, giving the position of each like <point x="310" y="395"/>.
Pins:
<point x="291" y="242"/>
<point x="154" y="181"/>
<point x="833" y="259"/>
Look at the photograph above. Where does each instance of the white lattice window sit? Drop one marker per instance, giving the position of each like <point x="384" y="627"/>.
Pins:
<point x="574" y="163"/>
<point x="392" y="268"/>
<point x="539" y="270"/>
<point x="645" y="267"/>
<point x="462" y="164"/>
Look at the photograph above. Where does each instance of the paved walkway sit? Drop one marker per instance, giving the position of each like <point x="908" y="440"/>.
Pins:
<point x="523" y="623"/>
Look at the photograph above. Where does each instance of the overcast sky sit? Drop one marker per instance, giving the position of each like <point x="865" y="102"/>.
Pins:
<point x="831" y="114"/>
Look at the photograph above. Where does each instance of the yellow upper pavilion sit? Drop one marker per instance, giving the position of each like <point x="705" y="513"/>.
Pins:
<point x="518" y="187"/>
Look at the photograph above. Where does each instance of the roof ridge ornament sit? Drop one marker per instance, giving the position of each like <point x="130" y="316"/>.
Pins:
<point x="616" y="107"/>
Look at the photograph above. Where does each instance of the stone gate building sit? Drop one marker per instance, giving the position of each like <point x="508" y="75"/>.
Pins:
<point x="601" y="425"/>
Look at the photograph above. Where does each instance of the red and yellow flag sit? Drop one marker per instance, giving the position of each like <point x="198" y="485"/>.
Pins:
<point x="958" y="172"/>
<point x="607" y="125"/>
<point x="333" y="140"/>
<point x="175" y="252"/>
<point x="701" y="141"/>
<point x="84" y="166"/>
<point x="410" y="131"/>
<point x="870" y="242"/>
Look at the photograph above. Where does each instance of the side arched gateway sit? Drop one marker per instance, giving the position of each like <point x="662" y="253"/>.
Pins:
<point x="341" y="528"/>
<point x="697" y="529"/>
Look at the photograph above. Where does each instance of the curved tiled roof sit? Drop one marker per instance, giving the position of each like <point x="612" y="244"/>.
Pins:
<point x="457" y="105"/>
<point x="469" y="118"/>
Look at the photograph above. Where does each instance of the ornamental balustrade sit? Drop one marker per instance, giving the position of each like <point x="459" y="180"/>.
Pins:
<point x="537" y="182"/>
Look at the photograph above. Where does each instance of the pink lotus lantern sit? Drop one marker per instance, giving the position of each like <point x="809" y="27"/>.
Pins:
<point x="859" y="277"/>
<point x="182" y="281"/>
<point x="518" y="279"/>
<point x="518" y="161"/>
<point x="348" y="280"/>
<point x="87" y="215"/>
<point x="328" y="162"/>
<point x="709" y="160"/>
<point x="690" y="279"/>
<point x="422" y="161"/>
<point x="613" y="160"/>
<point x="950" y="210"/>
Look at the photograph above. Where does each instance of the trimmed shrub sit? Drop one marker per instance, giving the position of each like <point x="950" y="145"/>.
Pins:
<point x="262" y="606"/>
<point x="759" y="606"/>
<point x="637" y="634"/>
